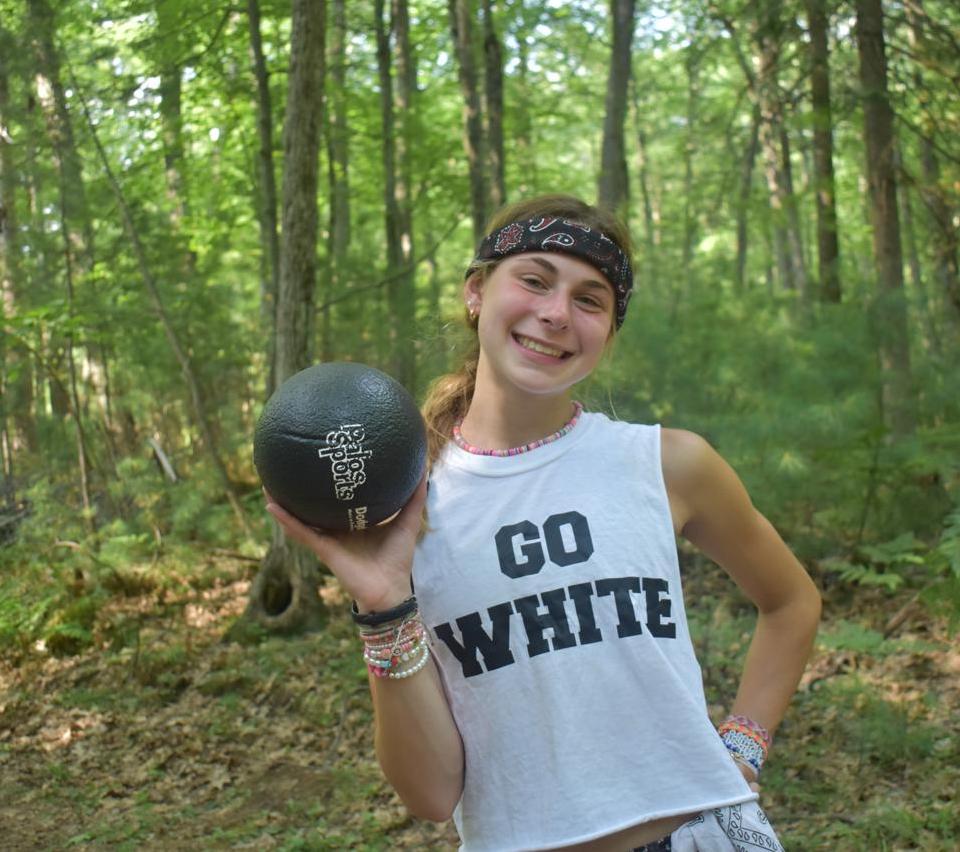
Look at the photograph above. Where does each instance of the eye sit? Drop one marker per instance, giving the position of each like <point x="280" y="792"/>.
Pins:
<point x="533" y="281"/>
<point x="592" y="303"/>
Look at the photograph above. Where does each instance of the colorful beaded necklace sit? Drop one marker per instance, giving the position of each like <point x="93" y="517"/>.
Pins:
<point x="516" y="451"/>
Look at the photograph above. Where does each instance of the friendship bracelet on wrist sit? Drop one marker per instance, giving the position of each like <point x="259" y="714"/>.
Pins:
<point x="398" y="649"/>
<point x="746" y="723"/>
<point x="747" y="741"/>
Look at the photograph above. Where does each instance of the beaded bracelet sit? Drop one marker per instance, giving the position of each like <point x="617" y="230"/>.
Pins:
<point x="387" y="649"/>
<point x="746" y="740"/>
<point x="415" y="667"/>
<point x="392" y="667"/>
<point x="406" y="638"/>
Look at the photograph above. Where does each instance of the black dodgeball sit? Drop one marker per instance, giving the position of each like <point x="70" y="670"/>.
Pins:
<point x="341" y="446"/>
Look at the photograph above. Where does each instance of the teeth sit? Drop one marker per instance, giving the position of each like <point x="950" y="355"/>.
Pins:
<point x="527" y="343"/>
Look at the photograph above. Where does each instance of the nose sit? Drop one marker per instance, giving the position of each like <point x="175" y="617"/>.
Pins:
<point x="555" y="311"/>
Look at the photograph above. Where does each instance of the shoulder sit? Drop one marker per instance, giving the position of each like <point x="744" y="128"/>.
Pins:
<point x="687" y="458"/>
<point x="701" y="485"/>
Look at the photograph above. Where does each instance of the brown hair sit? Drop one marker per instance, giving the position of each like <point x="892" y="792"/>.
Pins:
<point x="448" y="398"/>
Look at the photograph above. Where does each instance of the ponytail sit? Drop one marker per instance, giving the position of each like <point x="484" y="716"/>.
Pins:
<point x="447" y="402"/>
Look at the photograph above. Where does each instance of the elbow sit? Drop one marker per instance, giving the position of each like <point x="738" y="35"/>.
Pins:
<point x="437" y="813"/>
<point x="805" y="613"/>
<point x="428" y="795"/>
<point x="800" y="612"/>
<point x="438" y="807"/>
<point x="813" y="605"/>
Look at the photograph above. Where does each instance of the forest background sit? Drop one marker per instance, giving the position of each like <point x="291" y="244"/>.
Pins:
<point x="198" y="199"/>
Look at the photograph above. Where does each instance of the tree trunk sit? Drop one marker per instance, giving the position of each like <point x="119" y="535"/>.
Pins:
<point x="943" y="219"/>
<point x="267" y="196"/>
<point x="83" y="465"/>
<point x="743" y="199"/>
<point x="75" y="210"/>
<point x="651" y="236"/>
<point x="9" y="269"/>
<point x="169" y="26"/>
<point x="493" y="77"/>
<point x="613" y="185"/>
<point x="890" y="315"/>
<point x="788" y="243"/>
<point x="828" y="245"/>
<point x="396" y="201"/>
<point x="768" y="99"/>
<point x="798" y="260"/>
<point x="17" y="379"/>
<point x="930" y="336"/>
<point x="60" y="128"/>
<point x="691" y="65"/>
<point x="338" y="172"/>
<point x="283" y="597"/>
<point x="75" y="229"/>
<point x="522" y="143"/>
<point x="401" y="290"/>
<point x="461" y="26"/>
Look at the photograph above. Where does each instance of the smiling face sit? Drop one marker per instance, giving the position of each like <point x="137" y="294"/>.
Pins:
<point x="544" y="320"/>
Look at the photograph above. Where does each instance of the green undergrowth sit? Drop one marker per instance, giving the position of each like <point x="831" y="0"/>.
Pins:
<point x="59" y="574"/>
<point x="868" y="756"/>
<point x="278" y="736"/>
<point x="181" y="739"/>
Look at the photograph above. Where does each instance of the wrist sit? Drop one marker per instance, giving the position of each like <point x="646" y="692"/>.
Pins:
<point x="385" y="612"/>
<point x="388" y="600"/>
<point x="747" y="741"/>
<point x="395" y="642"/>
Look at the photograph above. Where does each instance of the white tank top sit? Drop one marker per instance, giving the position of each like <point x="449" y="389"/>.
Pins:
<point x="550" y="587"/>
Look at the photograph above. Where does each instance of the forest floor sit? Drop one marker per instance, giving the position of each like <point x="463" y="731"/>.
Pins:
<point x="164" y="736"/>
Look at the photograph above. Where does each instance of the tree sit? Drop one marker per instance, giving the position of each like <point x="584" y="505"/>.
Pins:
<point x="774" y="143"/>
<point x="612" y="187"/>
<point x="16" y="381"/>
<point x="9" y="264"/>
<point x="474" y="144"/>
<point x="828" y="242"/>
<point x="338" y="171"/>
<point x="743" y="198"/>
<point x="942" y="214"/>
<point x="493" y="89"/>
<point x="889" y="309"/>
<point x="76" y="231"/>
<point x="267" y="195"/>
<point x="398" y="216"/>
<point x="284" y="596"/>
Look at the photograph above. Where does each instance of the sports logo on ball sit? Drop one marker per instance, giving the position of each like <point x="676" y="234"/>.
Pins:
<point x="347" y="464"/>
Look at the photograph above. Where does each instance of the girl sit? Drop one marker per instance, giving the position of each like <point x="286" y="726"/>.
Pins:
<point x="541" y="688"/>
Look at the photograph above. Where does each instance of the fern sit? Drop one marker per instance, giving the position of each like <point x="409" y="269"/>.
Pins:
<point x="868" y="575"/>
<point x="949" y="547"/>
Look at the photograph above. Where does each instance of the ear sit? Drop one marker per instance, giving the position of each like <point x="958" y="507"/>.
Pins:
<point x="473" y="290"/>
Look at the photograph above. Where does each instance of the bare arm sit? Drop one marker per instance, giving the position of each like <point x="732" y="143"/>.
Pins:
<point x="418" y="743"/>
<point x="713" y="511"/>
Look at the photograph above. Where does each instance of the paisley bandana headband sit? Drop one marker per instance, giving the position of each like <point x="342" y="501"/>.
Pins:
<point x="551" y="233"/>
